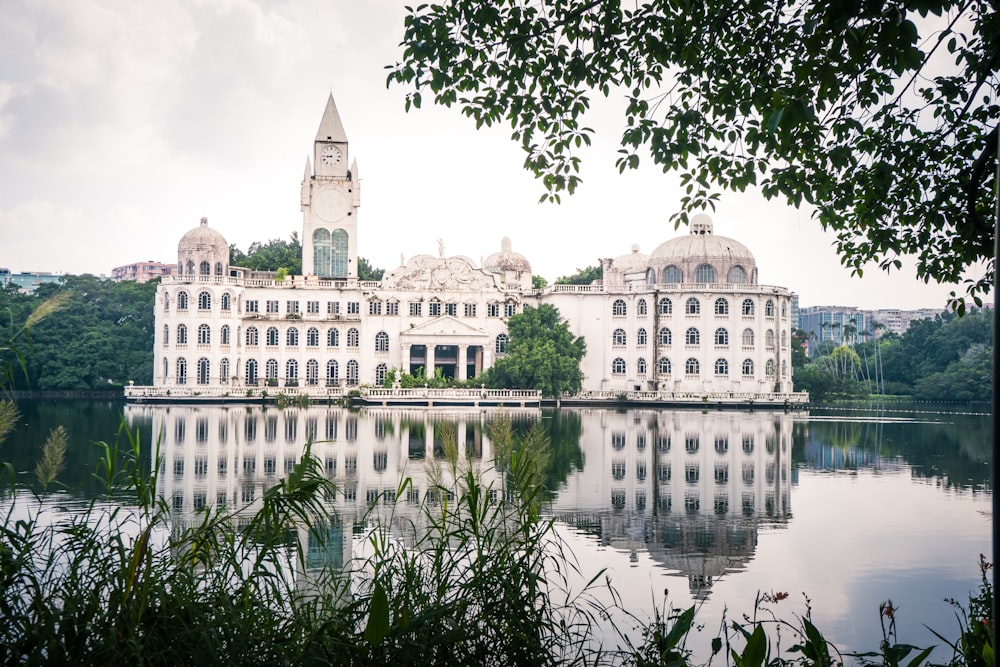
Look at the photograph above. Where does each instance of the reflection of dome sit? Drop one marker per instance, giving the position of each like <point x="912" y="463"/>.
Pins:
<point x="203" y="251"/>
<point x="633" y="260"/>
<point x="703" y="257"/>
<point x="506" y="260"/>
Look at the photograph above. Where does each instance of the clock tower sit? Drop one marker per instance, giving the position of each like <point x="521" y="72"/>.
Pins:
<point x="330" y="199"/>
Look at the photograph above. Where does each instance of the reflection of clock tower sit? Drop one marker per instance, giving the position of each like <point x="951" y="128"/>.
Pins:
<point x="330" y="199"/>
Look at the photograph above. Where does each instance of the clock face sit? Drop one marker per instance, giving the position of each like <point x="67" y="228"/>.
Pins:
<point x="331" y="155"/>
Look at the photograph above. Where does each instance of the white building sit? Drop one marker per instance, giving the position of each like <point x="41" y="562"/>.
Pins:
<point x="690" y="317"/>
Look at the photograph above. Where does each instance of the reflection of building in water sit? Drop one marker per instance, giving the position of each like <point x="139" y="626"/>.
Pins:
<point x="691" y="488"/>
<point x="688" y="487"/>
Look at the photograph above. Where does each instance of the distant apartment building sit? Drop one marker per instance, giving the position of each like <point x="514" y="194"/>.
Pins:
<point x="141" y="272"/>
<point x="831" y="323"/>
<point x="898" y="321"/>
<point x="27" y="281"/>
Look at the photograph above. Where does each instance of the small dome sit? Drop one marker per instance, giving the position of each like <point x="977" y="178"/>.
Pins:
<point x="633" y="260"/>
<point x="506" y="260"/>
<point x="202" y="238"/>
<point x="203" y="252"/>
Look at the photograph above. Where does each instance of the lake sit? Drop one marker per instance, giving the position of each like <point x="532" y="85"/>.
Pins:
<point x="849" y="507"/>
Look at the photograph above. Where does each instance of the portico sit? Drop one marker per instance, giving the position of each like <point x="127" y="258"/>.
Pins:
<point x="460" y="351"/>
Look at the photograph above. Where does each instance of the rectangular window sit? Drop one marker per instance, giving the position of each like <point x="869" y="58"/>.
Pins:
<point x="416" y="308"/>
<point x="451" y="309"/>
<point x="510" y="309"/>
<point x="333" y="308"/>
<point x="470" y="310"/>
<point x="252" y="306"/>
<point x="312" y="307"/>
<point x="435" y="309"/>
<point x="291" y="307"/>
<point x="493" y="310"/>
<point x="374" y="307"/>
<point x="272" y="306"/>
<point x="392" y="308"/>
<point x="353" y="308"/>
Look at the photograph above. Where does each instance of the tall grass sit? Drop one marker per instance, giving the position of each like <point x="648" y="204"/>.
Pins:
<point x="478" y="576"/>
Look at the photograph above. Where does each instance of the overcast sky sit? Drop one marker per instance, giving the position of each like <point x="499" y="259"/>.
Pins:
<point x="122" y="123"/>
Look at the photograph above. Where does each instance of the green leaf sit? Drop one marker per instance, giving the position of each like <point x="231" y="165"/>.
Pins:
<point x="377" y="627"/>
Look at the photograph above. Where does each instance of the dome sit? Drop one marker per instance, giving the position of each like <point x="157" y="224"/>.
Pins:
<point x="633" y="260"/>
<point x="202" y="238"/>
<point x="679" y="260"/>
<point x="203" y="252"/>
<point x="506" y="260"/>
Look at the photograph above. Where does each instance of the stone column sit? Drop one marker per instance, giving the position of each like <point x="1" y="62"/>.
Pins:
<point x="429" y="364"/>
<point x="463" y="362"/>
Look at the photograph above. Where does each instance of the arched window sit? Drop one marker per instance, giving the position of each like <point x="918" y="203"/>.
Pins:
<point x="784" y="339"/>
<point x="721" y="367"/>
<point x="312" y="372"/>
<point x="618" y="366"/>
<point x="692" y="367"/>
<point x="641" y="307"/>
<point x="664" y="337"/>
<point x="769" y="368"/>
<point x="205" y="268"/>
<point x="292" y="371"/>
<point x="665" y="306"/>
<point x="322" y="253"/>
<point x="204" y="301"/>
<point x="166" y="334"/>
<point x="340" y="255"/>
<point x="203" y="371"/>
<point x="182" y="334"/>
<point x="618" y="309"/>
<point x="271" y="369"/>
<point x="748" y="337"/>
<point x="769" y="308"/>
<point x="501" y="344"/>
<point x="182" y="301"/>
<point x="663" y="366"/>
<point x="672" y="274"/>
<point x="182" y="370"/>
<point x="352" y="372"/>
<point x="650" y="277"/>
<point x="704" y="274"/>
<point x="721" y="336"/>
<point x="737" y="274"/>
<point x="312" y="337"/>
<point x="640" y="366"/>
<point x="721" y="306"/>
<point x="292" y="337"/>
<point x="251" y="371"/>
<point x="224" y="334"/>
<point x="252" y="336"/>
<point x="784" y="368"/>
<point x="618" y="337"/>
<point x="333" y="337"/>
<point x="353" y="340"/>
<point x="224" y="371"/>
<point x="769" y="338"/>
<point x="692" y="306"/>
<point x="204" y="335"/>
<point x="381" y="342"/>
<point x="166" y="302"/>
<point x="227" y="301"/>
<point x="190" y="267"/>
<point x="218" y="268"/>
<point x="380" y="372"/>
<point x="641" y="337"/>
<point x="748" y="307"/>
<point x="332" y="373"/>
<point x="692" y="337"/>
<point x="748" y="367"/>
<point x="272" y="336"/>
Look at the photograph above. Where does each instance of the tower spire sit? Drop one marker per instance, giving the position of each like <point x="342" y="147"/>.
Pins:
<point x="330" y="128"/>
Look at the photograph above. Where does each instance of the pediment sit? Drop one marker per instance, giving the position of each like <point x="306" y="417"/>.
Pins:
<point x="443" y="327"/>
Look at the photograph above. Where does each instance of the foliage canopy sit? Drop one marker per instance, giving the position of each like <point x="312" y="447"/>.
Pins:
<point x="881" y="117"/>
